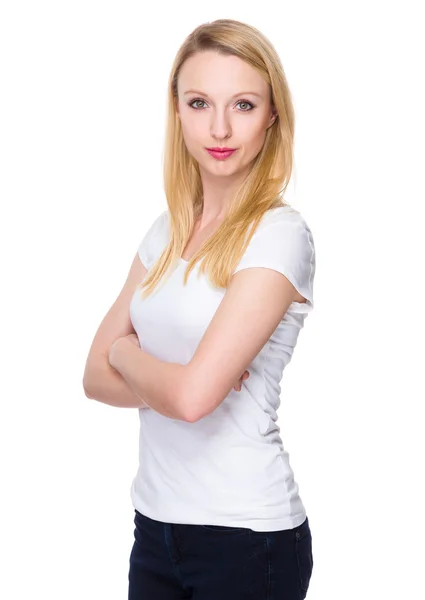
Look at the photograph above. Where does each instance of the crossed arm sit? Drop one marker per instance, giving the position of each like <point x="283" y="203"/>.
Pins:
<point x="255" y="301"/>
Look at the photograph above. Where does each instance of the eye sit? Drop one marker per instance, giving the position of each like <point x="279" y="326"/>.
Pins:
<point x="246" y="102"/>
<point x="196" y="100"/>
<point x="240" y="102"/>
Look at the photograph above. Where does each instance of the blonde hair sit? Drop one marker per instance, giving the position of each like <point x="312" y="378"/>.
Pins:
<point x="267" y="181"/>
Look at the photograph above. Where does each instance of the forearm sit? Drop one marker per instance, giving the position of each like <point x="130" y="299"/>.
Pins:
<point x="159" y="383"/>
<point x="107" y="385"/>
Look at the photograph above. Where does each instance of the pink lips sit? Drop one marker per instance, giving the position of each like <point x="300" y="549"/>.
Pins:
<point x="220" y="154"/>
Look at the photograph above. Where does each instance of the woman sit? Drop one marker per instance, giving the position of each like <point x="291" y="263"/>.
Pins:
<point x="227" y="276"/>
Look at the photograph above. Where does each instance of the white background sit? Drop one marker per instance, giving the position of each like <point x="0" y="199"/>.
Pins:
<point x="82" y="118"/>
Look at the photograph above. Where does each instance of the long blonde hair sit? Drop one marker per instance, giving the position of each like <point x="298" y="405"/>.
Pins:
<point x="262" y="189"/>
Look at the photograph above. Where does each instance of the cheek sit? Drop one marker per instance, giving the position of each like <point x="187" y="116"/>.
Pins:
<point x="192" y="140"/>
<point x="192" y="129"/>
<point x="254" y="138"/>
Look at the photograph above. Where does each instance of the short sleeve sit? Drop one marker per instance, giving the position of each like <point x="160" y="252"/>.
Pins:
<point x="148" y="246"/>
<point x="285" y="244"/>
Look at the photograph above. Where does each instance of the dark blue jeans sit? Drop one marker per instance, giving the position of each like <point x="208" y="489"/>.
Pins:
<point x="209" y="562"/>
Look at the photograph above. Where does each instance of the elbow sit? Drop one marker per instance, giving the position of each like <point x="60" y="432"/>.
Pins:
<point x="198" y="414"/>
<point x="191" y="416"/>
<point x="194" y="396"/>
<point x="92" y="376"/>
<point x="87" y="384"/>
<point x="185" y="411"/>
<point x="87" y="389"/>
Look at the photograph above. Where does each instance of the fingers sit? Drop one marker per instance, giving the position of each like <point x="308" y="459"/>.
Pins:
<point x="238" y="386"/>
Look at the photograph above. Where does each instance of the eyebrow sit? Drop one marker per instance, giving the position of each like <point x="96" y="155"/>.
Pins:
<point x="234" y="96"/>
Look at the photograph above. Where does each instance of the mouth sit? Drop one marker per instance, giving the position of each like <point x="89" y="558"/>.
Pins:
<point x="221" y="153"/>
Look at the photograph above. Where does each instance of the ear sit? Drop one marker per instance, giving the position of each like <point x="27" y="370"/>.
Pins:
<point x="273" y="117"/>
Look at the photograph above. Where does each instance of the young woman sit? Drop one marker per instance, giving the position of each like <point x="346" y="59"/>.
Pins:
<point x="221" y="283"/>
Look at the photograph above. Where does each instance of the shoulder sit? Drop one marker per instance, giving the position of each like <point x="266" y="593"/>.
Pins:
<point x="283" y="242"/>
<point x="284" y="225"/>
<point x="160" y="224"/>
<point x="155" y="239"/>
<point x="287" y="216"/>
<point x="162" y="219"/>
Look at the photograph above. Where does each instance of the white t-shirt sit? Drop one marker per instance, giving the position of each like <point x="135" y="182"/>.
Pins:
<point x="229" y="468"/>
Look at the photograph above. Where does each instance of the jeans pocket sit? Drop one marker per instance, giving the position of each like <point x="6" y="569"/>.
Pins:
<point x="304" y="553"/>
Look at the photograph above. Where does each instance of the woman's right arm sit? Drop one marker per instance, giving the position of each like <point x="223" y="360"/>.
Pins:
<point x="102" y="382"/>
<point x="109" y="387"/>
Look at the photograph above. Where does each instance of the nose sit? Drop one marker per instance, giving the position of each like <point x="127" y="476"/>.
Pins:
<point x="220" y="125"/>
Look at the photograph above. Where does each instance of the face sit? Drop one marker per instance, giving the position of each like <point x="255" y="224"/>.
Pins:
<point x="228" y="107"/>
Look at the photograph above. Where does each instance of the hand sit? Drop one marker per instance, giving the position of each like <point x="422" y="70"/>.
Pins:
<point x="238" y="386"/>
<point x="114" y="349"/>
